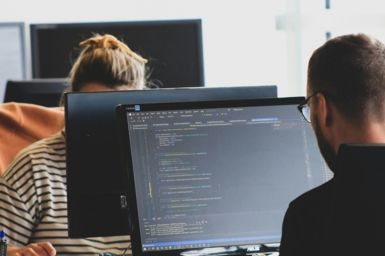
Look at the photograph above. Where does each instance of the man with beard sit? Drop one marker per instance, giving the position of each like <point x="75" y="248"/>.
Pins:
<point x="345" y="104"/>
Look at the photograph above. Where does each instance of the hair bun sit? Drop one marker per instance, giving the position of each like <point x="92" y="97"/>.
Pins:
<point x="108" y="41"/>
<point x="101" y="41"/>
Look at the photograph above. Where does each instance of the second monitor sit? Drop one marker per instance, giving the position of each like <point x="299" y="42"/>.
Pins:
<point x="173" y="48"/>
<point x="44" y="92"/>
<point x="95" y="181"/>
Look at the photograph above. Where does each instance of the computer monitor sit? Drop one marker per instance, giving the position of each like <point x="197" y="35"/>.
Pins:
<point x="12" y="53"/>
<point x="45" y="92"/>
<point x="173" y="48"/>
<point x="215" y="174"/>
<point x="95" y="181"/>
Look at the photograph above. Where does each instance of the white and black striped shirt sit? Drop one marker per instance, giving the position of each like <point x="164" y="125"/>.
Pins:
<point x="33" y="202"/>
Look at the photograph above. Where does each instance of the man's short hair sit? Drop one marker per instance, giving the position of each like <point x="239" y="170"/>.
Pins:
<point x="350" y="71"/>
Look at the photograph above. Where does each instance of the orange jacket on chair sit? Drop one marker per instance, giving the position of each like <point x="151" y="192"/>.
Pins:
<point x="22" y="124"/>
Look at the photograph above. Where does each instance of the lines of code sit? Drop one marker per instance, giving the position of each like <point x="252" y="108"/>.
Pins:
<point x="220" y="176"/>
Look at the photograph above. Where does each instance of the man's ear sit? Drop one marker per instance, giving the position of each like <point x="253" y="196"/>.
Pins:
<point x="324" y="110"/>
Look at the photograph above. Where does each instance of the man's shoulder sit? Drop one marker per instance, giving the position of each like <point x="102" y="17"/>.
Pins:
<point x="316" y="197"/>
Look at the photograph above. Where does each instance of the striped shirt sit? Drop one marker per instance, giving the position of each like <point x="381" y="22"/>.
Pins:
<point x="33" y="202"/>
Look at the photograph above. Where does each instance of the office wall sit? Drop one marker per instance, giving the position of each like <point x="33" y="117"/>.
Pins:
<point x="12" y="54"/>
<point x="242" y="45"/>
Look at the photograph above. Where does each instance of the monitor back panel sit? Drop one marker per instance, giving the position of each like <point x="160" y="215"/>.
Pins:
<point x="45" y="92"/>
<point x="95" y="180"/>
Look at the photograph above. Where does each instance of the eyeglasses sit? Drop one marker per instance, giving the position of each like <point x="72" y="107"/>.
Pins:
<point x="304" y="109"/>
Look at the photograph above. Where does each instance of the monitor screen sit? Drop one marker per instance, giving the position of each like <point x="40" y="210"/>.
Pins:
<point x="95" y="181"/>
<point x="216" y="174"/>
<point x="173" y="48"/>
<point x="12" y="53"/>
<point x="44" y="92"/>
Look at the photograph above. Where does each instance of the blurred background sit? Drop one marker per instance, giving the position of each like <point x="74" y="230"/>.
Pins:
<point x="245" y="42"/>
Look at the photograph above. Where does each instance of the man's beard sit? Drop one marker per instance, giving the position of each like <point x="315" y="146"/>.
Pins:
<point x="326" y="149"/>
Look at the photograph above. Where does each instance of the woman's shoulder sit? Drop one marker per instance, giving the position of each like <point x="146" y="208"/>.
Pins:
<point x="49" y="150"/>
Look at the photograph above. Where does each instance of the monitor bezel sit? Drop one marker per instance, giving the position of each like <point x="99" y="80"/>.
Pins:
<point x="136" y="241"/>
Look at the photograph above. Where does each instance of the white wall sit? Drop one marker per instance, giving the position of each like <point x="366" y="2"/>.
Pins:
<point x="241" y="43"/>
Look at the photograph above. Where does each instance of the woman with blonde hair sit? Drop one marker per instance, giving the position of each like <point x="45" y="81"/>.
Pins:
<point x="33" y="194"/>
<point x="106" y="63"/>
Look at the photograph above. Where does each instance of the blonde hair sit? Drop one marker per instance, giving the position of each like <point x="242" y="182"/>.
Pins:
<point x="106" y="60"/>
